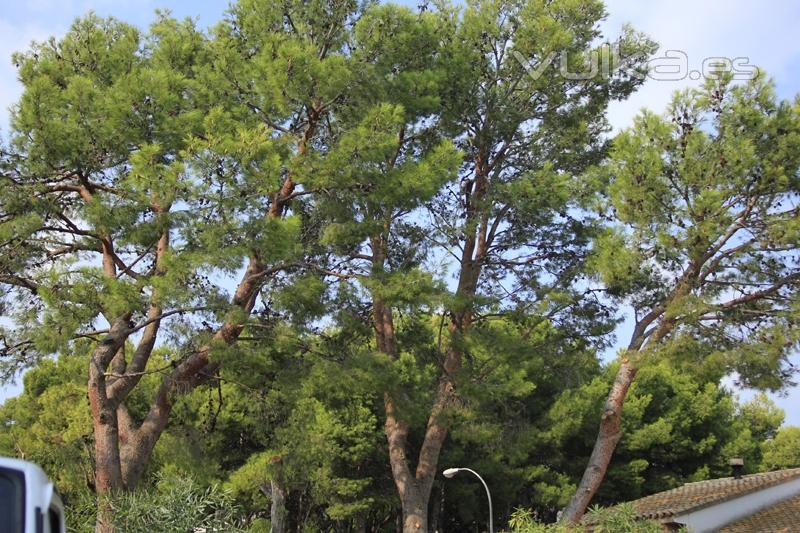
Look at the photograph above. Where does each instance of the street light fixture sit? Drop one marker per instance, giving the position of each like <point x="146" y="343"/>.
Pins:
<point x="450" y="472"/>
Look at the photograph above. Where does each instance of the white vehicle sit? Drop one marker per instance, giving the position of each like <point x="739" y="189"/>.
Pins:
<point x="29" y="502"/>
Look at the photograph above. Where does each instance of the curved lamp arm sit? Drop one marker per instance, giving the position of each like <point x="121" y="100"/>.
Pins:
<point x="450" y="472"/>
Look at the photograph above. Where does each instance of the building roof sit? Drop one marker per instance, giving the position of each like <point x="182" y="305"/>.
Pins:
<point x="779" y="518"/>
<point x="693" y="496"/>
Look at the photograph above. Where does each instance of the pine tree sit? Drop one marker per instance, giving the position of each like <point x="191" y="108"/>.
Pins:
<point x="705" y="248"/>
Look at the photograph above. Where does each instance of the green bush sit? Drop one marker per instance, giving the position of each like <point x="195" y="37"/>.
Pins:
<point x="619" y="519"/>
<point x="176" y="504"/>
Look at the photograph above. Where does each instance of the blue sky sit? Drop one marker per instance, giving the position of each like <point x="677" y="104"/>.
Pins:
<point x="762" y="31"/>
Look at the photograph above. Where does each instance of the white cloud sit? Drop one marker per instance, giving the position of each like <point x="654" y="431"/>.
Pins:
<point x="709" y="28"/>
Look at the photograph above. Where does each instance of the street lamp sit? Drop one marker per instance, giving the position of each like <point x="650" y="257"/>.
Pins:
<point x="450" y="472"/>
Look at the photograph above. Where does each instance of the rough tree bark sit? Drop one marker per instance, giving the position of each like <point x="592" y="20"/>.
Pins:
<point x="610" y="430"/>
<point x="108" y="467"/>
<point x="277" y="511"/>
<point x="607" y="439"/>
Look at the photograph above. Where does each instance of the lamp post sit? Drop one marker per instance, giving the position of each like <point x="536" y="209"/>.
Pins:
<point x="450" y="472"/>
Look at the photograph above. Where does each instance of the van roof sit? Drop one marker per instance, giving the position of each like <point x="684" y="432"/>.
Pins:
<point x="39" y="490"/>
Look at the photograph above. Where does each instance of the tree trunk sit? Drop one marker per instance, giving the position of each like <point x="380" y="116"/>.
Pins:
<point x="107" y="466"/>
<point x="277" y="511"/>
<point x="413" y="497"/>
<point x="413" y="492"/>
<point x="135" y="448"/>
<point x="414" y="487"/>
<point x="415" y="515"/>
<point x="610" y="431"/>
<point x="607" y="438"/>
<point x="105" y="516"/>
<point x="108" y="472"/>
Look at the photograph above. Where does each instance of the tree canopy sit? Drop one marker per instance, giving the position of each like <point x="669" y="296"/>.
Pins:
<point x="307" y="258"/>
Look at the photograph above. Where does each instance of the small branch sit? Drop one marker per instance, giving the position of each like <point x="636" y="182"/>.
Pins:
<point x="19" y="282"/>
<point x="329" y="272"/>
<point x="301" y="193"/>
<point x="168" y="314"/>
<point x="270" y="271"/>
<point x="219" y="378"/>
<point x="93" y="333"/>
<point x="128" y="375"/>
<point x="753" y="296"/>
<point x="124" y="269"/>
<point x="75" y="231"/>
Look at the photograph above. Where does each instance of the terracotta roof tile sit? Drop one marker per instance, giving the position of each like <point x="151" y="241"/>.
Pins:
<point x="694" y="496"/>
<point x="783" y="517"/>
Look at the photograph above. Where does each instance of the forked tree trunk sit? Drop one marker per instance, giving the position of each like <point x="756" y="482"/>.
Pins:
<point x="413" y="496"/>
<point x="123" y="447"/>
<point x="607" y="439"/>
<point x="414" y="487"/>
<point x="136" y="447"/>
